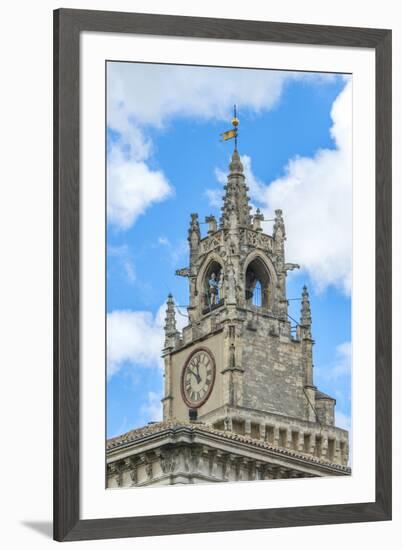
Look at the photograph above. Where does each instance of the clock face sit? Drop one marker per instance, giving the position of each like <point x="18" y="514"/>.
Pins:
<point x="198" y="378"/>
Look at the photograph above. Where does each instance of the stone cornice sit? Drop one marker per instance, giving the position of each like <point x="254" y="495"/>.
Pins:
<point x="174" y="431"/>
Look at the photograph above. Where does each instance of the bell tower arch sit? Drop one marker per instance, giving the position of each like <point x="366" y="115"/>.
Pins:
<point x="260" y="281"/>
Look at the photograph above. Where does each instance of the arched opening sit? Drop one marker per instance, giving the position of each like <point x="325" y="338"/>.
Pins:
<point x="257" y="295"/>
<point x="257" y="284"/>
<point x="212" y="286"/>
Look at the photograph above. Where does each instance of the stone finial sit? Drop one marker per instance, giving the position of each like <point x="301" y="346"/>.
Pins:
<point x="305" y="314"/>
<point x="194" y="234"/>
<point x="170" y="322"/>
<point x="257" y="219"/>
<point x="236" y="207"/>
<point x="279" y="233"/>
<point x="212" y="226"/>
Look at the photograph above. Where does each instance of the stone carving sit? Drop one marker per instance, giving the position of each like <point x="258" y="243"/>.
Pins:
<point x="257" y="240"/>
<point x="290" y="267"/>
<point x="183" y="272"/>
<point x="168" y="461"/>
<point x="149" y="469"/>
<point x="116" y="471"/>
<point x="131" y="465"/>
<point x="210" y="243"/>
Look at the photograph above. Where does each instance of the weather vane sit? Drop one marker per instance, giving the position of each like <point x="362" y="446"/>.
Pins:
<point x="232" y="133"/>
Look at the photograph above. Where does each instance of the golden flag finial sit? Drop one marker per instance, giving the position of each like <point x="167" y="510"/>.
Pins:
<point x="235" y="120"/>
<point x="230" y="134"/>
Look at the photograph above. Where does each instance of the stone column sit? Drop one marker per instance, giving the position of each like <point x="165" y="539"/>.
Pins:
<point x="276" y="436"/>
<point x="337" y="454"/>
<point x="288" y="438"/>
<point x="324" y="445"/>
<point x="247" y="427"/>
<point x="301" y="441"/>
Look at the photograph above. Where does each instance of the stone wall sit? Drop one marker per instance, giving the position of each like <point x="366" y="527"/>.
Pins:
<point x="282" y="431"/>
<point x="273" y="369"/>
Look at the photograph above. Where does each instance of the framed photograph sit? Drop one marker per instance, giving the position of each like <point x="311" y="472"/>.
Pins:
<point x="222" y="275"/>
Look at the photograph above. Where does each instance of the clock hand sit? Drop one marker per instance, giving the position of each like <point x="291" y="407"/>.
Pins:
<point x="197" y="376"/>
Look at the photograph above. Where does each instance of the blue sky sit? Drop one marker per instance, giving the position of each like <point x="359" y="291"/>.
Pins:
<point x="165" y="161"/>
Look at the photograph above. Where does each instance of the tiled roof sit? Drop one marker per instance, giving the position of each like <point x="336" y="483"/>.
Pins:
<point x="173" y="425"/>
<point x="321" y="395"/>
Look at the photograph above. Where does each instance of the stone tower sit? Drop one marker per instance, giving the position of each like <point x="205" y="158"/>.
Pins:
<point x="262" y="382"/>
<point x="238" y="370"/>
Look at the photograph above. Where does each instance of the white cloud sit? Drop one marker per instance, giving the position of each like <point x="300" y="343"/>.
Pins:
<point x="129" y="270"/>
<point x="164" y="241"/>
<point x="152" y="410"/>
<point x="177" y="251"/>
<point x="167" y="91"/>
<point x="256" y="187"/>
<point x="123" y="254"/>
<point x="221" y="176"/>
<point x="343" y="362"/>
<point x="133" y="337"/>
<point x="136" y="338"/>
<point x="131" y="188"/>
<point x="214" y="197"/>
<point x="315" y="195"/>
<point x="205" y="92"/>
<point x="343" y="420"/>
<point x="181" y="316"/>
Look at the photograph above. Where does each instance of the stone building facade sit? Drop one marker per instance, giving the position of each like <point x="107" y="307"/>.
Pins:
<point x="240" y="400"/>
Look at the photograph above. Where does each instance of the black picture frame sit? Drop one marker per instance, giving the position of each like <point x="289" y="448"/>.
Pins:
<point x="68" y="24"/>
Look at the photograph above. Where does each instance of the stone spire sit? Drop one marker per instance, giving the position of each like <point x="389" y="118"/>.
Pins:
<point x="304" y="333"/>
<point x="171" y="331"/>
<point x="279" y="236"/>
<point x="236" y="199"/>
<point x="194" y="234"/>
<point x="194" y="237"/>
<point x="305" y="315"/>
<point x="279" y="233"/>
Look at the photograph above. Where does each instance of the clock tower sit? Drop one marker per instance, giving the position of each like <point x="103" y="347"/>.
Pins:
<point x="239" y="351"/>
<point x="239" y="398"/>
